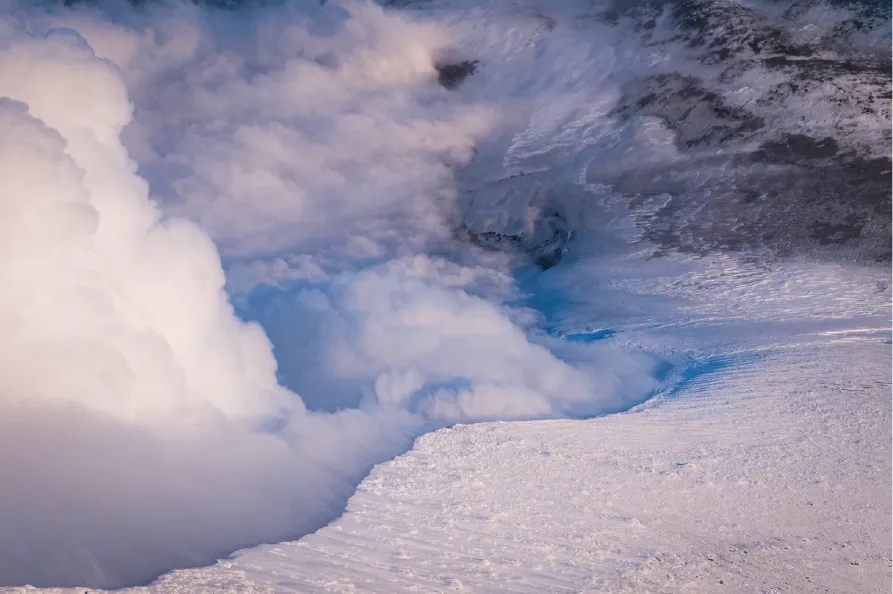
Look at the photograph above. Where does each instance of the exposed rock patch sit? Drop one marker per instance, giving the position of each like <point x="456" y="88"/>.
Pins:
<point x="450" y="76"/>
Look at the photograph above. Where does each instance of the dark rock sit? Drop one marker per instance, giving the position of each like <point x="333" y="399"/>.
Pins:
<point x="545" y="241"/>
<point x="698" y="115"/>
<point x="796" y="147"/>
<point x="451" y="76"/>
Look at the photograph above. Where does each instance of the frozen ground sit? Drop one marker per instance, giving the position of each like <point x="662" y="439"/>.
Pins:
<point x="764" y="476"/>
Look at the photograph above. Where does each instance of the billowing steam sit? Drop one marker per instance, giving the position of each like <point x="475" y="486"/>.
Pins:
<point x="142" y="422"/>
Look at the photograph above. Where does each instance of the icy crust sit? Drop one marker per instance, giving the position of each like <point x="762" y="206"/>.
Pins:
<point x="757" y="478"/>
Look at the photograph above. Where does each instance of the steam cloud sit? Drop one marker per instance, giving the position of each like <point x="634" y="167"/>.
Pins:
<point x="143" y="425"/>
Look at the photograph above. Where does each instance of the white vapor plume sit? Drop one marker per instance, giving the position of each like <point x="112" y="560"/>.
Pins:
<point x="143" y="424"/>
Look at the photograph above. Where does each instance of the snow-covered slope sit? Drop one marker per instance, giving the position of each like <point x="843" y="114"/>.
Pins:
<point x="768" y="476"/>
